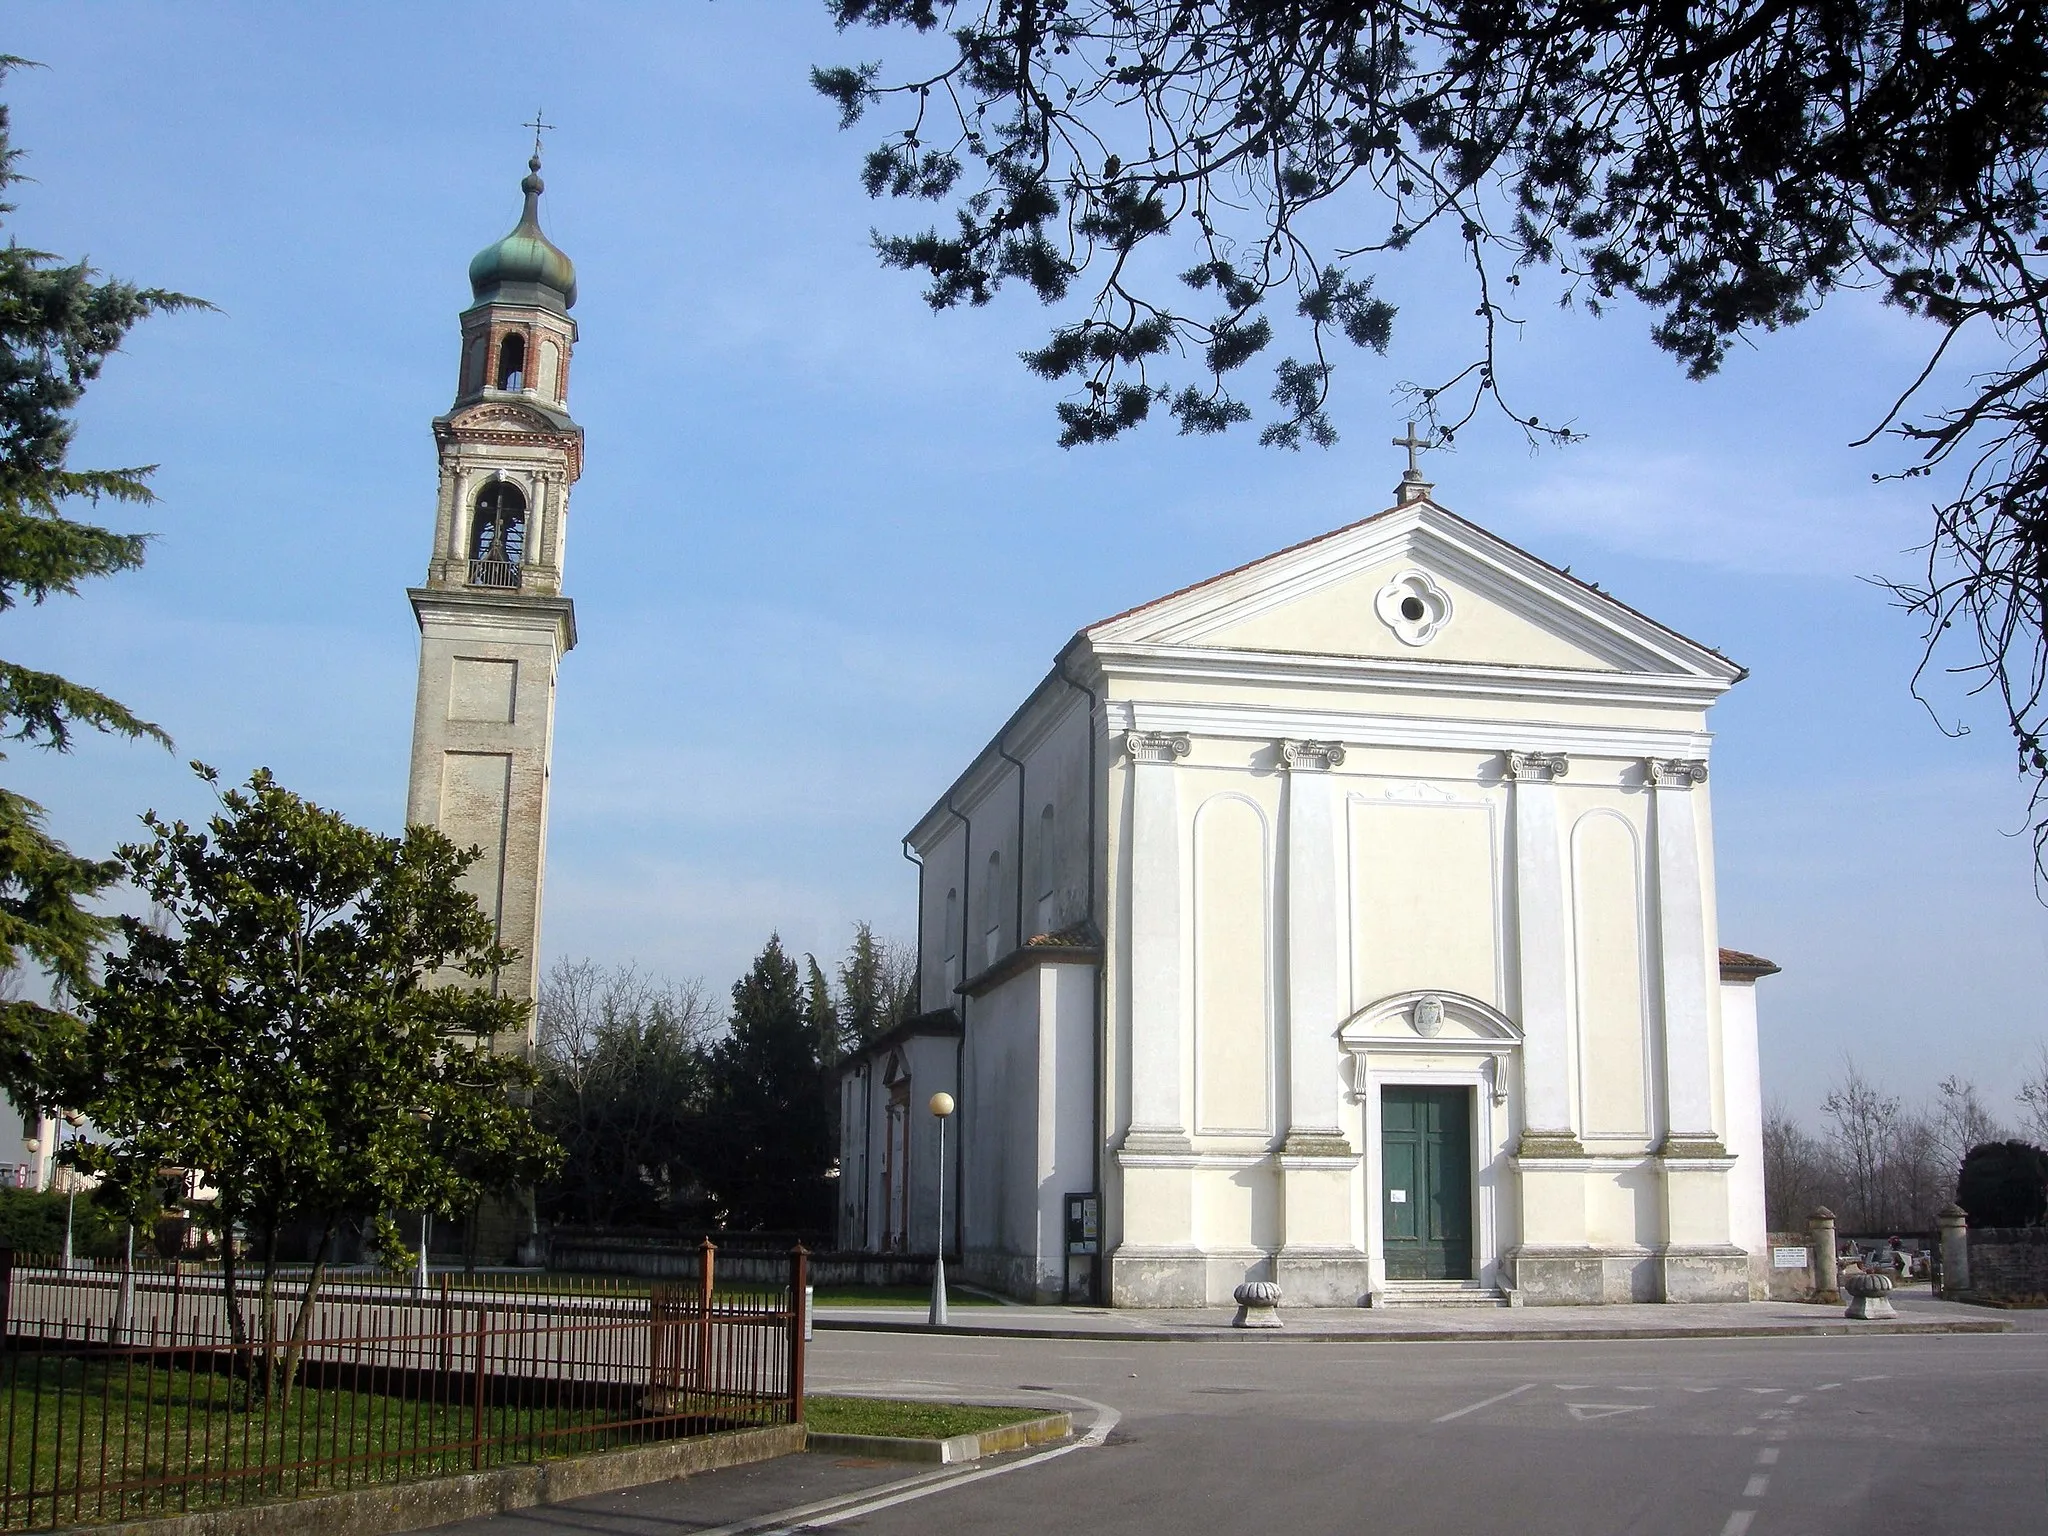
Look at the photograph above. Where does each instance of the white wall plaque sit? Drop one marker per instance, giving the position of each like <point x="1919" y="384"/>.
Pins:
<point x="1398" y="1196"/>
<point x="1788" y="1258"/>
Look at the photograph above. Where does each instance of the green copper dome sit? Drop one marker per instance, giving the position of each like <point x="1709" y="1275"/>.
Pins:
<point x="525" y="267"/>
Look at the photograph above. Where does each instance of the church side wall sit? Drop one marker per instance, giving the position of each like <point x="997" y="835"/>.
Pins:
<point x="960" y="904"/>
<point x="1742" y="1064"/>
<point x="1002" y="1139"/>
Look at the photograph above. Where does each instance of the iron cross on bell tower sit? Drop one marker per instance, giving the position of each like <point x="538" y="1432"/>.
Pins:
<point x="1412" y="487"/>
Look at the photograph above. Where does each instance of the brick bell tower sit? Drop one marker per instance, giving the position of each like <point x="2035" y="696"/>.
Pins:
<point x="494" y="624"/>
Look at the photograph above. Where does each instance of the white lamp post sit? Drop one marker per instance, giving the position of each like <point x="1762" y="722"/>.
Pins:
<point x="73" y="1119"/>
<point x="425" y="1118"/>
<point x="941" y="1106"/>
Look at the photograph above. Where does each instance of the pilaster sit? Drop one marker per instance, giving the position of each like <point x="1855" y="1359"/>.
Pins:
<point x="1158" y="1114"/>
<point x="1542" y="955"/>
<point x="1682" y="958"/>
<point x="1315" y="949"/>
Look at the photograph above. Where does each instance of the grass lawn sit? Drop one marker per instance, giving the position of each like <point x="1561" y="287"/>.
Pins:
<point x="907" y="1420"/>
<point x="89" y="1440"/>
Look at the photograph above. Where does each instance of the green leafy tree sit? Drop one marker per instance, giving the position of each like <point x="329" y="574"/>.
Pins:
<point x="1194" y="184"/>
<point x="59" y="322"/>
<point x="769" y="1136"/>
<point x="309" y="1022"/>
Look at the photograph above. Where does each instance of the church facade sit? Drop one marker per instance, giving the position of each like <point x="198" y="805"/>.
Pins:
<point x="1346" y="920"/>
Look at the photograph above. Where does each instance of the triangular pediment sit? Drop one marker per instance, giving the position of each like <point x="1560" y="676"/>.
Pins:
<point x="1420" y="584"/>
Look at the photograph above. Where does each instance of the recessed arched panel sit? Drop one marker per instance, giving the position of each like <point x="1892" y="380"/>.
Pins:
<point x="1233" y="969"/>
<point x="550" y="370"/>
<point x="1608" y="945"/>
<point x="1047" y="869"/>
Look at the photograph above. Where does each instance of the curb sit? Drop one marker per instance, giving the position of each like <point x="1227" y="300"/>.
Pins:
<point x="957" y="1448"/>
<point x="1223" y="1332"/>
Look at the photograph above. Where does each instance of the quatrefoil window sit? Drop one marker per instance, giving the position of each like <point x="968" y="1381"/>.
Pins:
<point x="1414" y="607"/>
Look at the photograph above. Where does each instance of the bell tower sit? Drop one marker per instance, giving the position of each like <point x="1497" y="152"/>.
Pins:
<point x="493" y="621"/>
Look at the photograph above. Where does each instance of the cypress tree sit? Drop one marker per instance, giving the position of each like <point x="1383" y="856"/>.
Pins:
<point x="770" y="1137"/>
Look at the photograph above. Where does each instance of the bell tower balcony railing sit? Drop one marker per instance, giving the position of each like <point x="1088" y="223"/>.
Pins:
<point x="502" y="575"/>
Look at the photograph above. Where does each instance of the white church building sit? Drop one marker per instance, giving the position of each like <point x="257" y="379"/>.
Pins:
<point x="1345" y="920"/>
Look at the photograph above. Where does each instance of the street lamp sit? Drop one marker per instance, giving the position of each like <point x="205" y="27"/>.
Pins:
<point x="426" y="1120"/>
<point x="73" y="1119"/>
<point x="941" y="1106"/>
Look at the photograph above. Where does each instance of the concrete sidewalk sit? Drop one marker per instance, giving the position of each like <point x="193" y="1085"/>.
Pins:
<point x="1918" y="1313"/>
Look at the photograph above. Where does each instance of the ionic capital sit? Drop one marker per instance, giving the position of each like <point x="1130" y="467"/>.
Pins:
<point x="1312" y="754"/>
<point x="1157" y="746"/>
<point x="1677" y="772"/>
<point x="1527" y="765"/>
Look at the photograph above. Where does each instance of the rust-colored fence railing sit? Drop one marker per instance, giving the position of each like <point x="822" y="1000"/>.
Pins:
<point x="125" y="1399"/>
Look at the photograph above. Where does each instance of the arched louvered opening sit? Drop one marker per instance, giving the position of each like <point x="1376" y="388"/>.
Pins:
<point x="497" y="536"/>
<point x="512" y="362"/>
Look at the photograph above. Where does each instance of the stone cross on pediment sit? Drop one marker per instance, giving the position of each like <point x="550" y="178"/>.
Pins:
<point x="1412" y="487"/>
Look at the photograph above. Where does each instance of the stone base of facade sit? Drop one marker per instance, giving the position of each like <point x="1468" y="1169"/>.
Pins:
<point x="1704" y="1274"/>
<point x="1322" y="1277"/>
<point x="1182" y="1277"/>
<point x="1011" y="1274"/>
<point x="1609" y="1276"/>
<point x="1582" y="1277"/>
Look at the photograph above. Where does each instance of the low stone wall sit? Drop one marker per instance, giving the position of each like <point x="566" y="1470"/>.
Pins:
<point x="412" y="1506"/>
<point x="1785" y="1281"/>
<point x="767" y="1268"/>
<point x="2009" y="1264"/>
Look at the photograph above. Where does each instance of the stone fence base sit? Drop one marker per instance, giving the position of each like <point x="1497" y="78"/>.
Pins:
<point x="650" y="1259"/>
<point x="2008" y="1264"/>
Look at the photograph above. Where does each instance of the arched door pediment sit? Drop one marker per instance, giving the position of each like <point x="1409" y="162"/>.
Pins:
<point x="1430" y="1023"/>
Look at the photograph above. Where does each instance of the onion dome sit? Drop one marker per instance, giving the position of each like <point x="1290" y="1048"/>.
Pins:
<point x="525" y="267"/>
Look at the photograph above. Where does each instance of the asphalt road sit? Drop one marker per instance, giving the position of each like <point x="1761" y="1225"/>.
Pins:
<point x="1740" y="1437"/>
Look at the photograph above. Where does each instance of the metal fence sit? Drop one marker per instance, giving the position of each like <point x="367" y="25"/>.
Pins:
<point x="120" y="1399"/>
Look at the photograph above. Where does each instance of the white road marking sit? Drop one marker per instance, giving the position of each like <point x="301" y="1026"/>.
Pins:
<point x="1768" y="1456"/>
<point x="1700" y="1389"/>
<point x="1758" y="1482"/>
<point x="1498" y="1397"/>
<point x="833" y="1511"/>
<point x="1738" y="1523"/>
<point x="1763" y="1389"/>
<point x="1584" y="1412"/>
<point x="1747" y="1429"/>
<point x="1873" y="1378"/>
<point x="1829" y="1387"/>
<point x="1583" y="1386"/>
<point x="1635" y="1389"/>
<point x="1799" y="1398"/>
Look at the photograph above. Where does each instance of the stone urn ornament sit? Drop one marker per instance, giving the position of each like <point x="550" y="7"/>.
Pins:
<point x="1869" y="1295"/>
<point x="1258" y="1305"/>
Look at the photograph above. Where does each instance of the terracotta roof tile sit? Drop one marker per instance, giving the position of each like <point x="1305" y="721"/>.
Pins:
<point x="1736" y="965"/>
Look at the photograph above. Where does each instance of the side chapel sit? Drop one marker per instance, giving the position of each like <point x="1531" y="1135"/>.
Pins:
<point x="1345" y="920"/>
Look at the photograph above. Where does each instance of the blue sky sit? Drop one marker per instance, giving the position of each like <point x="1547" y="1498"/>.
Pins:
<point x="824" y="541"/>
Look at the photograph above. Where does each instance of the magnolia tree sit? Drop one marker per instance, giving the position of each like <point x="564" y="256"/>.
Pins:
<point x="309" y="1018"/>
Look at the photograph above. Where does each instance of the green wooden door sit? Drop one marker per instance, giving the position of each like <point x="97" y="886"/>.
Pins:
<point x="1426" y="1182"/>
